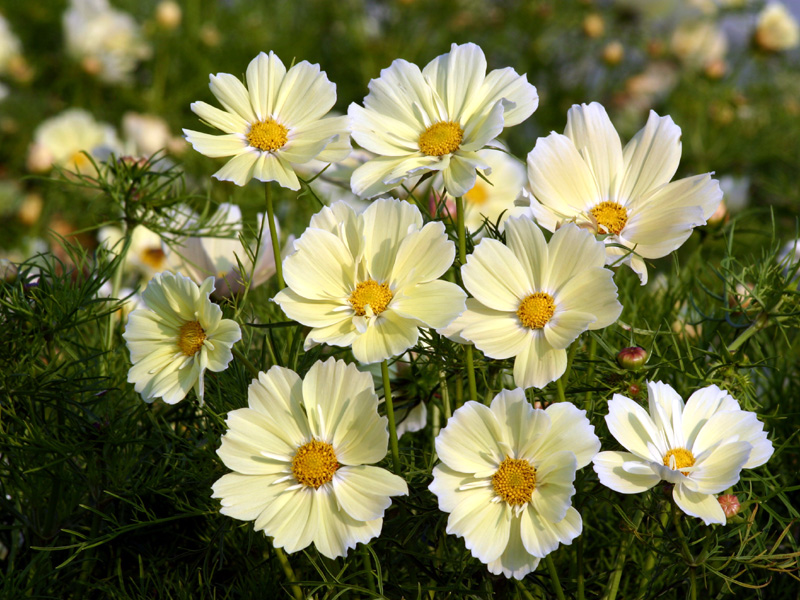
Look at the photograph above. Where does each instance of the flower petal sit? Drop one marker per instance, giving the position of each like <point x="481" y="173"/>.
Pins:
<point x="321" y="268"/>
<point x="305" y="95"/>
<point x="239" y="169"/>
<point x="498" y="334"/>
<point x="516" y="561"/>
<point x="494" y="275"/>
<point x="633" y="427"/>
<point x="609" y="467"/>
<point x="470" y="441"/>
<point x="484" y="525"/>
<point x="216" y="146"/>
<point x="228" y="122"/>
<point x="590" y="129"/>
<point x="569" y="430"/>
<point x="337" y="531"/>
<point x="364" y="492"/>
<point x="387" y="222"/>
<point x="264" y="76"/>
<point x="433" y="304"/>
<point x="538" y="363"/>
<point x="650" y="158"/>
<point x="390" y="334"/>
<point x="541" y="537"/>
<point x="555" y="475"/>
<point x="232" y="94"/>
<point x="702" y="506"/>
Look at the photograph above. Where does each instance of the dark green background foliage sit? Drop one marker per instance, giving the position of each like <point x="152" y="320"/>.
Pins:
<point x="105" y="496"/>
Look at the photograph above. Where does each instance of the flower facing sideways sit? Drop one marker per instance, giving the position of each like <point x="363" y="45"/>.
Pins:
<point x="177" y="337"/>
<point x="274" y="123"/>
<point x="507" y="475"/>
<point x="370" y="280"/>
<point x="436" y="119"/>
<point x="585" y="176"/>
<point x="532" y="298"/>
<point x="701" y="446"/>
<point x="301" y="455"/>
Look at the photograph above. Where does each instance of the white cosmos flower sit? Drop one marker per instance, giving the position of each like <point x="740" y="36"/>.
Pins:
<point x="532" y="299"/>
<point x="436" y="119"/>
<point x="370" y="280"/>
<point x="146" y="252"/>
<point x="507" y="475"/>
<point x="777" y="29"/>
<point x="274" y="123"/>
<point x="587" y="177"/>
<point x="301" y="456"/>
<point x="177" y="337"/>
<point x="701" y="446"/>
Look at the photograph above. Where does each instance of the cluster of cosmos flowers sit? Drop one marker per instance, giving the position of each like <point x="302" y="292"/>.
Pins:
<point x="302" y="452"/>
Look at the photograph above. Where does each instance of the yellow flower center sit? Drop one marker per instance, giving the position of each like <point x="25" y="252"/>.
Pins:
<point x="153" y="257"/>
<point x="268" y="135"/>
<point x="679" y="458"/>
<point x="478" y="195"/>
<point x="79" y="161"/>
<point x="370" y="292"/>
<point x="610" y="216"/>
<point x="191" y="338"/>
<point x="441" y="138"/>
<point x="536" y="310"/>
<point x="514" y="481"/>
<point x="314" y="464"/>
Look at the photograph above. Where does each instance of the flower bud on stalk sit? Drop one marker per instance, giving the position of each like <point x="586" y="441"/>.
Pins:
<point x="632" y="359"/>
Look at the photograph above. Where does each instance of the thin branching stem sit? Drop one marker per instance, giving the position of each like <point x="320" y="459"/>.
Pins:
<point x="387" y="395"/>
<point x="462" y="259"/>
<point x="273" y="234"/>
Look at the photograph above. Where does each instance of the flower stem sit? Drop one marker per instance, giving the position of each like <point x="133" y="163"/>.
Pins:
<point x="613" y="584"/>
<point x="462" y="259"/>
<point x="289" y="572"/>
<point x="273" y="234"/>
<point x="245" y="362"/>
<point x="579" y="560"/>
<point x="387" y="395"/>
<point x="116" y="283"/>
<point x="551" y="567"/>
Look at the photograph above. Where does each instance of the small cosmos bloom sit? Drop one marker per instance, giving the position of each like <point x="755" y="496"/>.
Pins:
<point x="370" y="280"/>
<point x="176" y="338"/>
<point x="777" y="29"/>
<point x="436" y="119"/>
<point x="701" y="446"/>
<point x="276" y="122"/>
<point x="532" y="299"/>
<point x="506" y="478"/>
<point x="585" y="176"/>
<point x="302" y="453"/>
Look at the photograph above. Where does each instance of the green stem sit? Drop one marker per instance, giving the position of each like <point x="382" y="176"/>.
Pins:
<point x="650" y="559"/>
<point x="462" y="259"/>
<point x="676" y="520"/>
<point x="560" y="390"/>
<point x="445" y="392"/>
<point x="590" y="374"/>
<point x="273" y="234"/>
<point x="613" y="584"/>
<point x="387" y="396"/>
<point x="579" y="560"/>
<point x="245" y="362"/>
<point x="367" y="568"/>
<point x="551" y="567"/>
<point x="289" y="572"/>
<point x="116" y="283"/>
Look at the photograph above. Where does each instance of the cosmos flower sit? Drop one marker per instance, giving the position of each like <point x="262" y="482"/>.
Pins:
<point x="701" y="446"/>
<point x="436" y="119"/>
<point x="276" y="122"/>
<point x="176" y="338"/>
<point x="777" y="29"/>
<point x="586" y="177"/>
<point x="507" y="475"/>
<point x="370" y="280"/>
<point x="532" y="298"/>
<point x="302" y="453"/>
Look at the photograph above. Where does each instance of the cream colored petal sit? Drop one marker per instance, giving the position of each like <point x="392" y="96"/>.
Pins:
<point x="721" y="468"/>
<point x="433" y="304"/>
<point x="389" y="335"/>
<point x="593" y="291"/>
<point x="461" y="174"/>
<point x="702" y="506"/>
<point x="494" y="275"/>
<point x="519" y="97"/>
<point x="538" y="363"/>
<point x="458" y="77"/>
<point x="383" y="134"/>
<point x="321" y="268"/>
<point x="374" y="177"/>
<point x="403" y="93"/>
<point x="307" y="141"/>
<point x="470" y="443"/>
<point x="364" y="492"/>
<point x="226" y="121"/>
<point x="609" y="467"/>
<point x="481" y="129"/>
<point x="264" y="75"/>
<point x="387" y="222"/>
<point x="422" y="256"/>
<point x="572" y="250"/>
<point x="309" y="312"/>
<point x="656" y="233"/>
<point x="447" y="486"/>
<point x="277" y="395"/>
<point x="232" y="94"/>
<point x="633" y="427"/>
<point x="498" y="334"/>
<point x="239" y="169"/>
<point x="701" y="406"/>
<point x="590" y="129"/>
<point x="666" y="407"/>
<point x="484" y="525"/>
<point x="342" y="334"/>
<point x="305" y="94"/>
<point x="244" y="497"/>
<point x="272" y="167"/>
<point x="569" y="430"/>
<point x="516" y="561"/>
<point x="555" y="475"/>
<point x="541" y="537"/>
<point x="650" y="158"/>
<point x="700" y="190"/>
<point x="520" y="423"/>
<point x="525" y="240"/>
<point x="559" y="177"/>
<point x="289" y="519"/>
<point x="338" y="532"/>
<point x="565" y="326"/>
<point x="216" y="146"/>
<point x="250" y="427"/>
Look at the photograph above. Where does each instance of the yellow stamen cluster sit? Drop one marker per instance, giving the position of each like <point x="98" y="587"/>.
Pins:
<point x="191" y="337"/>
<point x="314" y="464"/>
<point x="610" y="216"/>
<point x="153" y="257"/>
<point x="536" y="310"/>
<point x="441" y="138"/>
<point x="514" y="481"/>
<point x="370" y="292"/>
<point x="679" y="458"/>
<point x="478" y="195"/>
<point x="268" y="135"/>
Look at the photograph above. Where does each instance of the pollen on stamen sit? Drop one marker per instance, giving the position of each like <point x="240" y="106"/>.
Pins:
<point x="191" y="337"/>
<point x="370" y="292"/>
<point x="610" y="216"/>
<point x="441" y="138"/>
<point x="268" y="135"/>
<point x="536" y="310"/>
<point x="314" y="464"/>
<point x="514" y="481"/>
<point x="679" y="458"/>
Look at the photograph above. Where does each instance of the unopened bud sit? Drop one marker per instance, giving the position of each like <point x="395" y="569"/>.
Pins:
<point x="613" y="53"/>
<point x="593" y="25"/>
<point x="730" y="504"/>
<point x="632" y="359"/>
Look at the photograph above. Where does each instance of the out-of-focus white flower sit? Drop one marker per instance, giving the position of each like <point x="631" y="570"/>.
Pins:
<point x="699" y="44"/>
<point x="736" y="192"/>
<point x="106" y="41"/>
<point x="62" y="140"/>
<point x="145" y="135"/>
<point x="201" y="257"/>
<point x="10" y="47"/>
<point x="777" y="29"/>
<point x="146" y="253"/>
<point x="168" y="14"/>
